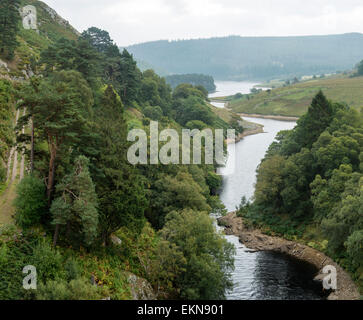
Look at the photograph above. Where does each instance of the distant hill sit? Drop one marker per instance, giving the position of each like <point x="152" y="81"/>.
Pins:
<point x="294" y="100"/>
<point x="195" y="79"/>
<point x="253" y="58"/>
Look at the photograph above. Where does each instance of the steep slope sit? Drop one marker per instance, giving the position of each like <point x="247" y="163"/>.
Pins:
<point x="49" y="27"/>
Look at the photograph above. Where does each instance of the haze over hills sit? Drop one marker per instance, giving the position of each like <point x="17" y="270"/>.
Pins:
<point x="252" y="58"/>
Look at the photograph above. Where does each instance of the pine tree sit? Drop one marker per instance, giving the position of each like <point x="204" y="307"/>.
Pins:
<point x="130" y="77"/>
<point x="9" y="26"/>
<point x="76" y="207"/>
<point x="59" y="111"/>
<point x="120" y="190"/>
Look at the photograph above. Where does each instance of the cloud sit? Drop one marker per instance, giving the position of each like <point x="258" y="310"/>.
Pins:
<point x="133" y="21"/>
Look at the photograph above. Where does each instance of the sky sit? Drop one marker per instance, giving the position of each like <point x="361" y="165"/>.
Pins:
<point x="136" y="21"/>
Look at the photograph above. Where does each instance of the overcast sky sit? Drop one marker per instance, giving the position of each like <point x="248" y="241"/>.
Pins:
<point x="135" y="21"/>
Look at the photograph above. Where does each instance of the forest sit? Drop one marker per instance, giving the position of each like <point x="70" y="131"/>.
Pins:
<point x="310" y="183"/>
<point x="241" y="58"/>
<point x="195" y="79"/>
<point x="84" y="216"/>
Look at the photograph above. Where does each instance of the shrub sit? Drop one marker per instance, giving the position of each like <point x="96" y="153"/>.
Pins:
<point x="30" y="202"/>
<point x="78" y="289"/>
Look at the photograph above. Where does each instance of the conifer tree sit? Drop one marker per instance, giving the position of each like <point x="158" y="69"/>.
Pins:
<point x="76" y="206"/>
<point x="120" y="190"/>
<point x="9" y="26"/>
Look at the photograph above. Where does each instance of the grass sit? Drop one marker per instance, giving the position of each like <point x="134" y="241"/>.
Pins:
<point x="225" y="114"/>
<point x="294" y="100"/>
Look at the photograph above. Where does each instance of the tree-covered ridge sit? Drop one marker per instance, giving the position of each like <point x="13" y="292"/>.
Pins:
<point x="195" y="79"/>
<point x="80" y="193"/>
<point x="240" y="58"/>
<point x="309" y="185"/>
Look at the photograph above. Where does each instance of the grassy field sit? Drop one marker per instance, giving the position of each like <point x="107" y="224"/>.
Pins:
<point x="294" y="100"/>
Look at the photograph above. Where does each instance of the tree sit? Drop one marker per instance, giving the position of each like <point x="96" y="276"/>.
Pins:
<point x="99" y="39"/>
<point x="9" y="26"/>
<point x="76" y="206"/>
<point x="72" y="55"/>
<point x="60" y="107"/>
<point x="312" y="124"/>
<point x="119" y="187"/>
<point x="204" y="271"/>
<point x="154" y="113"/>
<point x="270" y="181"/>
<point x="30" y="202"/>
<point x="129" y="78"/>
<point x="175" y="193"/>
<point x="360" y="69"/>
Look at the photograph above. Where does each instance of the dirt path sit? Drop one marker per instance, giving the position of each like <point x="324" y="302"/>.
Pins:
<point x="22" y="163"/>
<point x="15" y="173"/>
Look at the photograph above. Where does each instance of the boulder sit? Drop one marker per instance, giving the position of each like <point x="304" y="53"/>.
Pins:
<point x="140" y="288"/>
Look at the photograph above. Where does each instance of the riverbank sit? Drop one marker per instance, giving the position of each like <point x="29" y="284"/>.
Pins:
<point x="250" y="128"/>
<point x="254" y="239"/>
<point x="273" y="117"/>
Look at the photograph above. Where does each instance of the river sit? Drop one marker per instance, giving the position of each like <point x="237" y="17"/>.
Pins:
<point x="228" y="88"/>
<point x="260" y="275"/>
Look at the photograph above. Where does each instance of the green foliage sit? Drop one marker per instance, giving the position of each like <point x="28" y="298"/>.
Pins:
<point x="77" y="289"/>
<point x="312" y="176"/>
<point x="47" y="260"/>
<point x="175" y="193"/>
<point x="203" y="270"/>
<point x="9" y="25"/>
<point x="76" y="206"/>
<point x="72" y="55"/>
<point x="30" y="202"/>
<point x="154" y="113"/>
<point x="313" y="123"/>
<point x="294" y="100"/>
<point x="77" y="107"/>
<point x="206" y="82"/>
<point x="6" y="123"/>
<point x="360" y="69"/>
<point x="119" y="188"/>
<point x="241" y="58"/>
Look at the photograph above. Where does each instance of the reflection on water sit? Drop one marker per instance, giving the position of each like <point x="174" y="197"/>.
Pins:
<point x="279" y="276"/>
<point x="261" y="275"/>
<point x="248" y="154"/>
<point x="229" y="88"/>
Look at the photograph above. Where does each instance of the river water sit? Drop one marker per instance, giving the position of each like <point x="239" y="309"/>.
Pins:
<point x="260" y="275"/>
<point x="229" y="88"/>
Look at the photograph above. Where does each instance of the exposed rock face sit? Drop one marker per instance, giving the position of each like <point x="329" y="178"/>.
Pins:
<point x="58" y="19"/>
<point x="140" y="288"/>
<point x="255" y="239"/>
<point x="4" y="65"/>
<point x="115" y="240"/>
<point x="29" y="16"/>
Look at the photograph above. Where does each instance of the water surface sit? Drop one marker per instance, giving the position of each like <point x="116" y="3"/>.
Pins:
<point x="261" y="275"/>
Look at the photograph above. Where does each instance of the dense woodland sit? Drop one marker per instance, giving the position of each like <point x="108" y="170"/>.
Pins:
<point x="206" y="82"/>
<point x="88" y="219"/>
<point x="310" y="184"/>
<point x="81" y="193"/>
<point x="241" y="58"/>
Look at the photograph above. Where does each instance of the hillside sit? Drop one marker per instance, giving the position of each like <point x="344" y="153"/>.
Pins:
<point x="294" y="100"/>
<point x="50" y="27"/>
<point x="240" y="58"/>
<point x="108" y="238"/>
